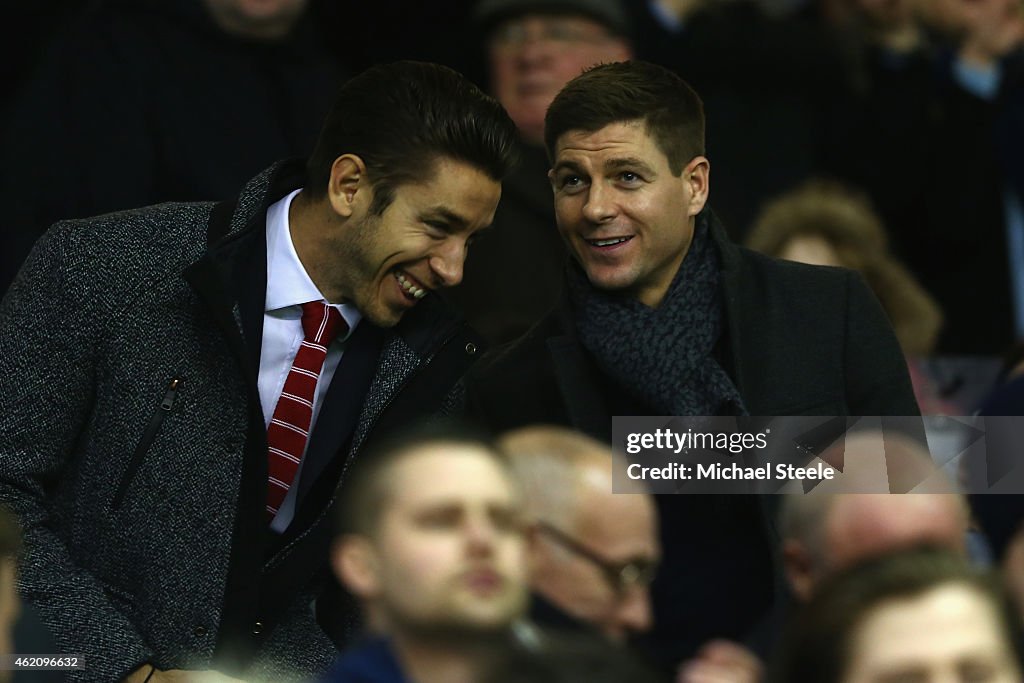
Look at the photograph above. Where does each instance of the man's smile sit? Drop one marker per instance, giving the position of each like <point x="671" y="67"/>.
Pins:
<point x="609" y="243"/>
<point x="411" y="287"/>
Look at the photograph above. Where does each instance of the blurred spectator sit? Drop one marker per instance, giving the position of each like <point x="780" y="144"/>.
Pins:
<point x="828" y="224"/>
<point x="592" y="552"/>
<point x="431" y="544"/>
<point x="1001" y="517"/>
<point x="921" y="615"/>
<point x="825" y="223"/>
<point x="823" y="533"/>
<point x="21" y="630"/>
<point x="533" y="49"/>
<point x="140" y="102"/>
<point x="10" y="603"/>
<point x="775" y="85"/>
<point x="924" y="114"/>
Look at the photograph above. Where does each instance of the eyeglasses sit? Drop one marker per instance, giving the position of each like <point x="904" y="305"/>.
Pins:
<point x="620" y="575"/>
<point x="515" y="34"/>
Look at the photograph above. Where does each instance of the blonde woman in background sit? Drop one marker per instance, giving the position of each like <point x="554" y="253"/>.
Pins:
<point x="827" y="223"/>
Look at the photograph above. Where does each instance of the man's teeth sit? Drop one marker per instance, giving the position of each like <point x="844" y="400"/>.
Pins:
<point x="608" y="243"/>
<point x="412" y="289"/>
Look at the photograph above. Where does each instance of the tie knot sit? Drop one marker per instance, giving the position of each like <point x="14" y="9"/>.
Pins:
<point x="321" y="323"/>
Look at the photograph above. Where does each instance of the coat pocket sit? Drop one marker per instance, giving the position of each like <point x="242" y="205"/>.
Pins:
<point x="148" y="436"/>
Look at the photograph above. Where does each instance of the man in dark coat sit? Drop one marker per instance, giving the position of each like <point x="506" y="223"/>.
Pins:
<point x="176" y="418"/>
<point x="664" y="316"/>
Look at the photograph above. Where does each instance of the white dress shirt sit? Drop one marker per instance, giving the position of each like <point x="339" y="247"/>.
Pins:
<point x="288" y="287"/>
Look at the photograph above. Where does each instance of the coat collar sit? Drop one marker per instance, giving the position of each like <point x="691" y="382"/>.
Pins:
<point x="734" y="273"/>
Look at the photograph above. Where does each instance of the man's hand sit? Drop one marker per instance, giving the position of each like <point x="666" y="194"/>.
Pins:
<point x="177" y="676"/>
<point x="721" y="661"/>
<point x="994" y="28"/>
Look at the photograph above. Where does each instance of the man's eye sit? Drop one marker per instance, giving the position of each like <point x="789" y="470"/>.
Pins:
<point x="437" y="228"/>
<point x="506" y="520"/>
<point x="630" y="177"/>
<point x="570" y="181"/>
<point x="440" y="519"/>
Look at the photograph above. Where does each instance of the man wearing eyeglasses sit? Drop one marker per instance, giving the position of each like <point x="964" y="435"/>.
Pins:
<point x="592" y="553"/>
<point x="533" y="48"/>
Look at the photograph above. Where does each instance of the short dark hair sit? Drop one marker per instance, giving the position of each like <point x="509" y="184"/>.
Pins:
<point x="671" y="111"/>
<point x="365" y="494"/>
<point x="401" y="118"/>
<point x="816" y="646"/>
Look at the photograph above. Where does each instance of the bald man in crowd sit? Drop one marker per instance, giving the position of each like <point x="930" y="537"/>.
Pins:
<point x="592" y="552"/>
<point x="827" y="531"/>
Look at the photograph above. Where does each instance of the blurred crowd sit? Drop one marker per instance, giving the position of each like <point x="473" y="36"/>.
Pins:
<point x="902" y="115"/>
<point x="883" y="136"/>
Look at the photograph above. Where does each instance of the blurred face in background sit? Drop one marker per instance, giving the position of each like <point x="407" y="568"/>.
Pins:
<point x="449" y="552"/>
<point x="261" y="19"/>
<point x="598" y="568"/>
<point x="10" y="608"/>
<point x="810" y="249"/>
<point x="951" y="634"/>
<point x="533" y="56"/>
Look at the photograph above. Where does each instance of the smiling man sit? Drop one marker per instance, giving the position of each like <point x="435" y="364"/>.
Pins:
<point x="188" y="381"/>
<point x="664" y="316"/>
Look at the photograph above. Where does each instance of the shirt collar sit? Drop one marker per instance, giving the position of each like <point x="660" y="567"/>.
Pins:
<point x="288" y="283"/>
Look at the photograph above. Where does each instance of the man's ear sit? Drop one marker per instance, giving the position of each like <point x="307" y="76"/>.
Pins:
<point x="348" y="184"/>
<point x="355" y="563"/>
<point x="799" y="568"/>
<point x="538" y="552"/>
<point x="697" y="176"/>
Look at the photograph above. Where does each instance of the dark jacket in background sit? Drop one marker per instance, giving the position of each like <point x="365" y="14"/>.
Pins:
<point x="513" y="274"/>
<point x="914" y="128"/>
<point x="140" y="102"/>
<point x="775" y="89"/>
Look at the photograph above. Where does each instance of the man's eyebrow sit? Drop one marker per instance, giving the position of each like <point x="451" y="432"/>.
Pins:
<point x="567" y="166"/>
<point x="447" y="215"/>
<point x="628" y="162"/>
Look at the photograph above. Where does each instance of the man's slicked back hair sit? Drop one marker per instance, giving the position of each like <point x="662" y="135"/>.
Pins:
<point x="401" y="118"/>
<point x="620" y="92"/>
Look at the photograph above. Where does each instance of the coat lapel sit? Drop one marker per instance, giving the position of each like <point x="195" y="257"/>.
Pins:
<point x="732" y="275"/>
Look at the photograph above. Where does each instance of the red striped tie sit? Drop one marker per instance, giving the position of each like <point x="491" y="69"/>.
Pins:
<point x="289" y="427"/>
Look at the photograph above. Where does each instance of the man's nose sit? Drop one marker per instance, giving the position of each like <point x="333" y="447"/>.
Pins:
<point x="447" y="260"/>
<point x="634" y="613"/>
<point x="480" y="536"/>
<point x="599" y="206"/>
<point x="534" y="50"/>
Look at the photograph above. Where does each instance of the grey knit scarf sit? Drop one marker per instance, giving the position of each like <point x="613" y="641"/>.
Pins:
<point x="662" y="356"/>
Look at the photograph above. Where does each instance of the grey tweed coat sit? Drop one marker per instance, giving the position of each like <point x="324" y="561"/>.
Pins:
<point x="132" y="443"/>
